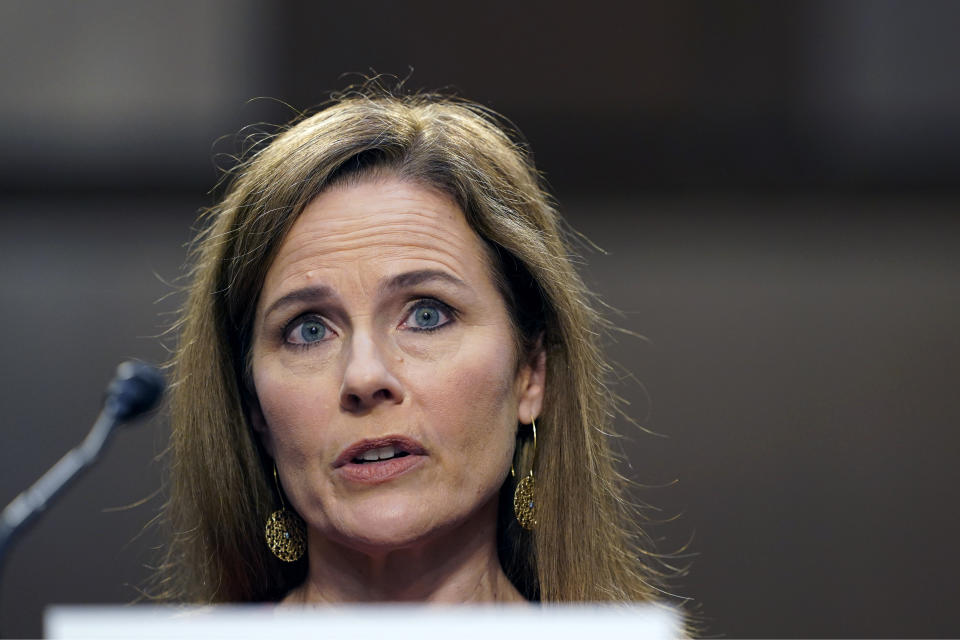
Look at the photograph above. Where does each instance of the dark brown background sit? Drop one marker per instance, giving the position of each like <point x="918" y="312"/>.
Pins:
<point x="775" y="185"/>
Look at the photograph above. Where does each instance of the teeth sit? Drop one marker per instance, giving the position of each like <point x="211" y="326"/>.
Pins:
<point x="382" y="453"/>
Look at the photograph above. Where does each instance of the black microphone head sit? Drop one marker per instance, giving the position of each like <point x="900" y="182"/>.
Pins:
<point x="136" y="389"/>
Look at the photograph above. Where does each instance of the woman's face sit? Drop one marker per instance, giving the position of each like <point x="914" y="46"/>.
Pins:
<point x="385" y="367"/>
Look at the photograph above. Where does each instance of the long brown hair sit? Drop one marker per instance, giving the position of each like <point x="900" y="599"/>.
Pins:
<point x="587" y="545"/>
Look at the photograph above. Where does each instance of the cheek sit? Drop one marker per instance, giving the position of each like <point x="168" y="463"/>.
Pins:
<point x="295" y="409"/>
<point x="471" y="398"/>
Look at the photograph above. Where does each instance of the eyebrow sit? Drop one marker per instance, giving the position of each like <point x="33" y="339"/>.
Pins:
<point x="306" y="294"/>
<point x="396" y="283"/>
<point x="413" y="278"/>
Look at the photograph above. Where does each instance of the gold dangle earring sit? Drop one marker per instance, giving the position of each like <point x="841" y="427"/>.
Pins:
<point x="524" y="507"/>
<point x="285" y="532"/>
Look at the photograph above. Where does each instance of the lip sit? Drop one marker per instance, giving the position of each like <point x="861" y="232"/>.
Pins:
<point x="374" y="472"/>
<point x="357" y="449"/>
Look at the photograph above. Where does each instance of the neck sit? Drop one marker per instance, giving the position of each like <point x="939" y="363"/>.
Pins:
<point x="456" y="566"/>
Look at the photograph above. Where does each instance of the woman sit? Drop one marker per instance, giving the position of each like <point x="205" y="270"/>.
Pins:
<point x="388" y="380"/>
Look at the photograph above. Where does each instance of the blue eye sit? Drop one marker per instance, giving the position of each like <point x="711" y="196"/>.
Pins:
<point x="428" y="314"/>
<point x="307" y="331"/>
<point x="311" y="331"/>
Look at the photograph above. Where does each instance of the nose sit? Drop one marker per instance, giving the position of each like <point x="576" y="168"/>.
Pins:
<point x="368" y="379"/>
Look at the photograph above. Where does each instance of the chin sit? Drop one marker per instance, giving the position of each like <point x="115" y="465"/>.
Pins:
<point x="385" y="527"/>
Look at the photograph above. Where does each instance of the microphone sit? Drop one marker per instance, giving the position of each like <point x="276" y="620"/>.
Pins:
<point x="135" y="390"/>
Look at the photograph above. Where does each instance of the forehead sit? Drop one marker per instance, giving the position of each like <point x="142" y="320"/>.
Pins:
<point x="382" y="225"/>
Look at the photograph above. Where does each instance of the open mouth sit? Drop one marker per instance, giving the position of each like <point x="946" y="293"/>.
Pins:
<point x="369" y="452"/>
<point x="376" y="460"/>
<point x="388" y="452"/>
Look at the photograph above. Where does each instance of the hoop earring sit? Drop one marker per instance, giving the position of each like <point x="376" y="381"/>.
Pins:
<point x="285" y="531"/>
<point x="524" y="505"/>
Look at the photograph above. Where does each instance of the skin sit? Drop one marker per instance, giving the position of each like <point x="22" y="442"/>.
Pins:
<point x="367" y="369"/>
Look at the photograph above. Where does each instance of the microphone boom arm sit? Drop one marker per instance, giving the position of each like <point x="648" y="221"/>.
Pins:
<point x="134" y="391"/>
<point x="35" y="499"/>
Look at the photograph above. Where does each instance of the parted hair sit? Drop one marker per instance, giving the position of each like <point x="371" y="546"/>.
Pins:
<point x="587" y="545"/>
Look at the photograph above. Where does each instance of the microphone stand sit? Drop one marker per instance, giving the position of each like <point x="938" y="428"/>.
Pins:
<point x="136" y="389"/>
<point x="35" y="499"/>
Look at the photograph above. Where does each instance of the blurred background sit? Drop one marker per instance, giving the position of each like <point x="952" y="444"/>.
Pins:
<point x="775" y="186"/>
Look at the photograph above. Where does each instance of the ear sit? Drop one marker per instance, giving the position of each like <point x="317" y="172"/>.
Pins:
<point x="259" y="423"/>
<point x="532" y="378"/>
